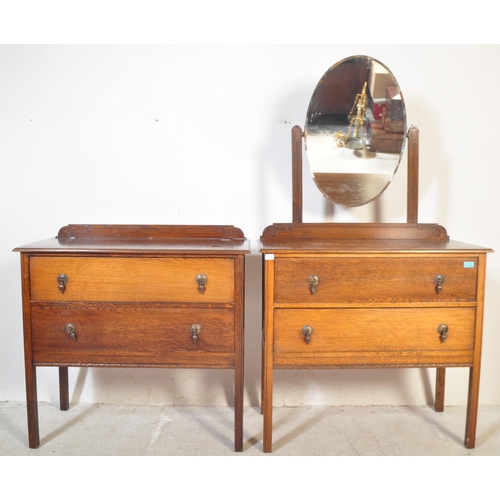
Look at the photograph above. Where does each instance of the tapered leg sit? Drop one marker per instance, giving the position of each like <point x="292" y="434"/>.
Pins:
<point x="63" y="388"/>
<point x="440" y="381"/>
<point x="32" y="406"/>
<point x="472" y="405"/>
<point x="266" y="386"/>
<point x="238" y="406"/>
<point x="267" y="407"/>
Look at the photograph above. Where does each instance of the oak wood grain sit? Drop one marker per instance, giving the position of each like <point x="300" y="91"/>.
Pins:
<point x="381" y="330"/>
<point x="128" y="279"/>
<point x="162" y="232"/>
<point x="376" y="280"/>
<point x="118" y="329"/>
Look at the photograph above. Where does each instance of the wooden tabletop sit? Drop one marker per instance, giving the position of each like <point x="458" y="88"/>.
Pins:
<point x="364" y="246"/>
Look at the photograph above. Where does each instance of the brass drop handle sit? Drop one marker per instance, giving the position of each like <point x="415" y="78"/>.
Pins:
<point x="307" y="331"/>
<point x="195" y="332"/>
<point x="438" y="281"/>
<point x="202" y="280"/>
<point x="313" y="283"/>
<point x="443" y="331"/>
<point x="62" y="279"/>
<point x="70" y="329"/>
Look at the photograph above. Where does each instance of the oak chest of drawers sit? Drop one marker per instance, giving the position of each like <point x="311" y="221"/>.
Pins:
<point x="371" y="303"/>
<point x="134" y="296"/>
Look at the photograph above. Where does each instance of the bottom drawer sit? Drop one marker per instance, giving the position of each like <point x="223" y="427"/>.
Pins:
<point x="370" y="330"/>
<point x="127" y="331"/>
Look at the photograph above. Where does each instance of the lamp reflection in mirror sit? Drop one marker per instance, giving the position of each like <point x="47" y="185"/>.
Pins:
<point x="355" y="131"/>
<point x="357" y="121"/>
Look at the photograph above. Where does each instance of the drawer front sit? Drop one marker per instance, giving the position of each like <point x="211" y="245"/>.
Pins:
<point x="375" y="280"/>
<point x="108" y="330"/>
<point x="116" y="279"/>
<point x="383" y="330"/>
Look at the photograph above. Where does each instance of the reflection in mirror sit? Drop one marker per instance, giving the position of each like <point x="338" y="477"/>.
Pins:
<point x="355" y="131"/>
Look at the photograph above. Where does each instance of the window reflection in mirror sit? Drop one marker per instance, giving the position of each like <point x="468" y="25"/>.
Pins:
<point x="355" y="131"/>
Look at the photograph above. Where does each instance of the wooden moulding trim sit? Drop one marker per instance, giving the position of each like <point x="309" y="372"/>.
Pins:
<point x="88" y="231"/>
<point x="180" y="364"/>
<point x="358" y="231"/>
<point x="395" y="359"/>
<point x="366" y="366"/>
<point x="222" y="361"/>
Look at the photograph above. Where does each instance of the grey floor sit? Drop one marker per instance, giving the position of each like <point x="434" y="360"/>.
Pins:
<point x="127" y="430"/>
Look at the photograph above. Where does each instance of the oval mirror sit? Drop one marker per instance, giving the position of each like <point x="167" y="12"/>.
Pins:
<point x="355" y="131"/>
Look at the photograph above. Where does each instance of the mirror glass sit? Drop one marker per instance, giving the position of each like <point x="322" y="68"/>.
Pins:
<point x="355" y="131"/>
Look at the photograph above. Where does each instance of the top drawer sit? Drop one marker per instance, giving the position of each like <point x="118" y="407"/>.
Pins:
<point x="367" y="280"/>
<point x="132" y="279"/>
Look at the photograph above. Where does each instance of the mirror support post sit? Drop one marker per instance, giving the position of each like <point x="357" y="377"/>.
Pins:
<point x="297" y="174"/>
<point x="412" y="198"/>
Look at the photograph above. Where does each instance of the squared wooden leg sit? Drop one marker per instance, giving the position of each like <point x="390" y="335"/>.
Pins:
<point x="63" y="388"/>
<point x="472" y="406"/>
<point x="267" y="406"/>
<point x="266" y="397"/>
<point x="32" y="406"/>
<point x="238" y="408"/>
<point x="440" y="382"/>
<point x="267" y="391"/>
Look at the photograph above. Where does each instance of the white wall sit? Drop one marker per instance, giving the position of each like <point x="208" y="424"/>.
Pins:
<point x="192" y="134"/>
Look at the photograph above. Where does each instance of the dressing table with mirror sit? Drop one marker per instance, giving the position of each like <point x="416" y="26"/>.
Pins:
<point x="366" y="295"/>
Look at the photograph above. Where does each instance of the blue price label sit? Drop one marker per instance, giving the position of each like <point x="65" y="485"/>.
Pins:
<point x="468" y="265"/>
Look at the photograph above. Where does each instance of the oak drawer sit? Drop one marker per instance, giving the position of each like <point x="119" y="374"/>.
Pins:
<point x="126" y="330"/>
<point x="128" y="279"/>
<point x="375" y="279"/>
<point x="382" y="330"/>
